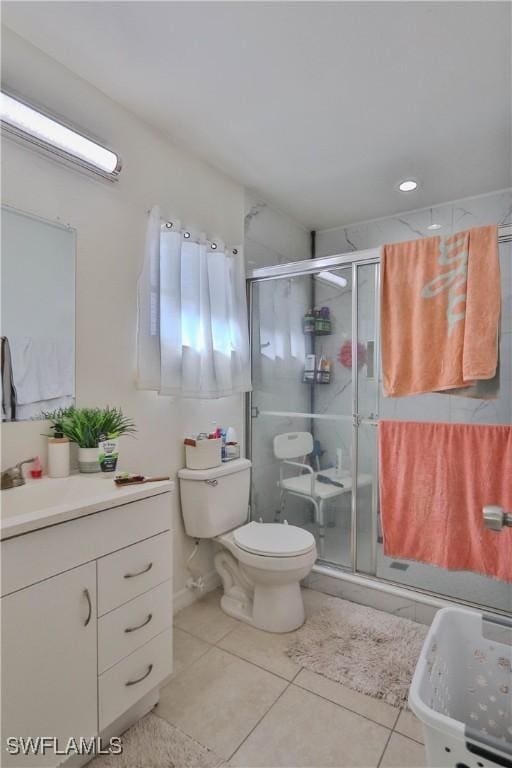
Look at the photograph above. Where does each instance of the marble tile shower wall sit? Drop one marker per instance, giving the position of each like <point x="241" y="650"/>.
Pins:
<point x="278" y="344"/>
<point x="487" y="209"/>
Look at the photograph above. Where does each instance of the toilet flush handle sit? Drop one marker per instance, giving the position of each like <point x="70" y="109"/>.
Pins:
<point x="212" y="482"/>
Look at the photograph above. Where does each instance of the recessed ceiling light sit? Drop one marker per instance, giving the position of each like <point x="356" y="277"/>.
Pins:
<point x="407" y="185"/>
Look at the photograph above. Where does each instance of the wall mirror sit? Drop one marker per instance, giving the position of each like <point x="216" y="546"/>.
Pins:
<point x="37" y="316"/>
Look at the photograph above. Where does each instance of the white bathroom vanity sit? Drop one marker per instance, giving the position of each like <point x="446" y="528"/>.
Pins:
<point x="86" y="605"/>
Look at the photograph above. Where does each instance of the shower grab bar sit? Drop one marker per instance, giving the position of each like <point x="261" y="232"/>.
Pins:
<point x="373" y="422"/>
<point x="300" y="415"/>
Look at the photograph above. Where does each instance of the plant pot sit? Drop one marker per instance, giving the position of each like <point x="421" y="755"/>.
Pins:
<point x="88" y="459"/>
<point x="58" y="457"/>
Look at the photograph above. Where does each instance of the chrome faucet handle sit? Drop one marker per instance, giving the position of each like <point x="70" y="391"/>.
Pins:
<point x="496" y="518"/>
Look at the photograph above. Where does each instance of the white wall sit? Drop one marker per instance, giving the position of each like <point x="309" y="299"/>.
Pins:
<point x="271" y="236"/>
<point x="110" y="220"/>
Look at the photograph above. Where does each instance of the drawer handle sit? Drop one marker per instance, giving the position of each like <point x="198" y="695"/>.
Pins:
<point x="144" y="623"/>
<point x="132" y="575"/>
<point x="140" y="679"/>
<point x="89" y="603"/>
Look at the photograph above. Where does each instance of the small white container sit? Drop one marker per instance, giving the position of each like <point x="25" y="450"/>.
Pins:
<point x="58" y="457"/>
<point x="206" y="454"/>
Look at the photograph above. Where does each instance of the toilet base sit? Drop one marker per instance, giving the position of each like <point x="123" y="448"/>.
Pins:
<point x="272" y="609"/>
<point x="237" y="608"/>
<point x="279" y="608"/>
<point x="268" y="606"/>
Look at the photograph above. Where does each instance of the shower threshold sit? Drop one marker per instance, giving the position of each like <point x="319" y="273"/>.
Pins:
<point x="411" y="602"/>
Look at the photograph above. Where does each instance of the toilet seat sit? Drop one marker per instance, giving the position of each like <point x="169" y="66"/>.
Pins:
<point x="273" y="540"/>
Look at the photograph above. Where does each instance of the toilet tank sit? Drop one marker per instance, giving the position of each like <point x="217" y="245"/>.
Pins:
<point x="214" y="501"/>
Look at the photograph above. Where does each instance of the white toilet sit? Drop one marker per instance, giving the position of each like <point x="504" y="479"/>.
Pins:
<point x="260" y="564"/>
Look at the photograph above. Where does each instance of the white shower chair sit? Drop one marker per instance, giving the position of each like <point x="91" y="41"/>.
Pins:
<point x="289" y="448"/>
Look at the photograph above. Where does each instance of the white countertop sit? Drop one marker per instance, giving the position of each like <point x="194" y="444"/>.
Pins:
<point x="48" y="501"/>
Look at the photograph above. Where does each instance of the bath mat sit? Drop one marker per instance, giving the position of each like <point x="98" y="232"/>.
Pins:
<point x="370" y="651"/>
<point x="154" y="743"/>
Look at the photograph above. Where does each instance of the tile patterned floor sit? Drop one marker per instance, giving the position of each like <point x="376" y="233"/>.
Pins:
<point x="236" y="692"/>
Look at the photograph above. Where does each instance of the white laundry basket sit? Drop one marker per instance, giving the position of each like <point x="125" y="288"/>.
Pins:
<point x="462" y="692"/>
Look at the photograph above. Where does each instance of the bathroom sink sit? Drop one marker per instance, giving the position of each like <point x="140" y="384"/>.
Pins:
<point x="44" y="502"/>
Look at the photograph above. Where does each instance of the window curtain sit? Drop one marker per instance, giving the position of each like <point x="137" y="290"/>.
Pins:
<point x="193" y="338"/>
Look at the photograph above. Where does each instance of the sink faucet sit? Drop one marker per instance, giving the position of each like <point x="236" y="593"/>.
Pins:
<point x="13" y="476"/>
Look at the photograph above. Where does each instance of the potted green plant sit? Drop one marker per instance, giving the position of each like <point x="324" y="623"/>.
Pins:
<point x="90" y="427"/>
<point x="58" y="443"/>
<point x="114" y="424"/>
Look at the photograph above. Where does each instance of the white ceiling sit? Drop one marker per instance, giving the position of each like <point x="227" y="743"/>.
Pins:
<point x="319" y="106"/>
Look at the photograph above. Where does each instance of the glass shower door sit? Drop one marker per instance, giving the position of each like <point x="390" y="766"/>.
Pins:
<point x="301" y="329"/>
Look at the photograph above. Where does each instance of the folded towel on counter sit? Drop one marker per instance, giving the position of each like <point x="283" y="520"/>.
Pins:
<point x="43" y="368"/>
<point x="440" y="310"/>
<point x="434" y="481"/>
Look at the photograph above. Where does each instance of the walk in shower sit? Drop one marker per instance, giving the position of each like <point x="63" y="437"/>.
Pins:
<point x="316" y="373"/>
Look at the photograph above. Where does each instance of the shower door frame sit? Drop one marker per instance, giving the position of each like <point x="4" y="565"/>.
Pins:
<point x="354" y="259"/>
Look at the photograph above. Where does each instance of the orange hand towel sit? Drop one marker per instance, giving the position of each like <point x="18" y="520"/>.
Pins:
<point x="434" y="481"/>
<point x="440" y="310"/>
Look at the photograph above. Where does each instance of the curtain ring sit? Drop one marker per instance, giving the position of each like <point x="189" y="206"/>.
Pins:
<point x="235" y="251"/>
<point x="168" y="224"/>
<point x="186" y="235"/>
<point x="213" y="246"/>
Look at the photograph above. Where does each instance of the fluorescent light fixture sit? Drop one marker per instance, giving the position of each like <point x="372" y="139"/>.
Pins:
<point x="33" y="126"/>
<point x="407" y="185"/>
<point x="329" y="277"/>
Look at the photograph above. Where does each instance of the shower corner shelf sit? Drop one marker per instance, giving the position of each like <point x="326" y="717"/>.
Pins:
<point x="317" y="333"/>
<point x="316" y="381"/>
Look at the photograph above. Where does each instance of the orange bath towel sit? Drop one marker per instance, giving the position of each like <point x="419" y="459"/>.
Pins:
<point x="434" y="481"/>
<point x="440" y="310"/>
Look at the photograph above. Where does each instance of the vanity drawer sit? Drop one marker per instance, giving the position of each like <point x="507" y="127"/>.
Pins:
<point x="132" y="571"/>
<point x="129" y="680"/>
<point x="125" y="629"/>
<point x="43" y="553"/>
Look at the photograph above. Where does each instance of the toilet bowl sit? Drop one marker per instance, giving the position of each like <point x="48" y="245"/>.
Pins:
<point x="260" y="564"/>
<point x="273" y="558"/>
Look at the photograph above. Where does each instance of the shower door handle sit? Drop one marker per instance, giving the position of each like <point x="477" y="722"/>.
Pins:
<point x="496" y="518"/>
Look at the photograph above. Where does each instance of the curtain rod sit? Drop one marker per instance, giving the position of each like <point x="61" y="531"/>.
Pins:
<point x="167" y="224"/>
